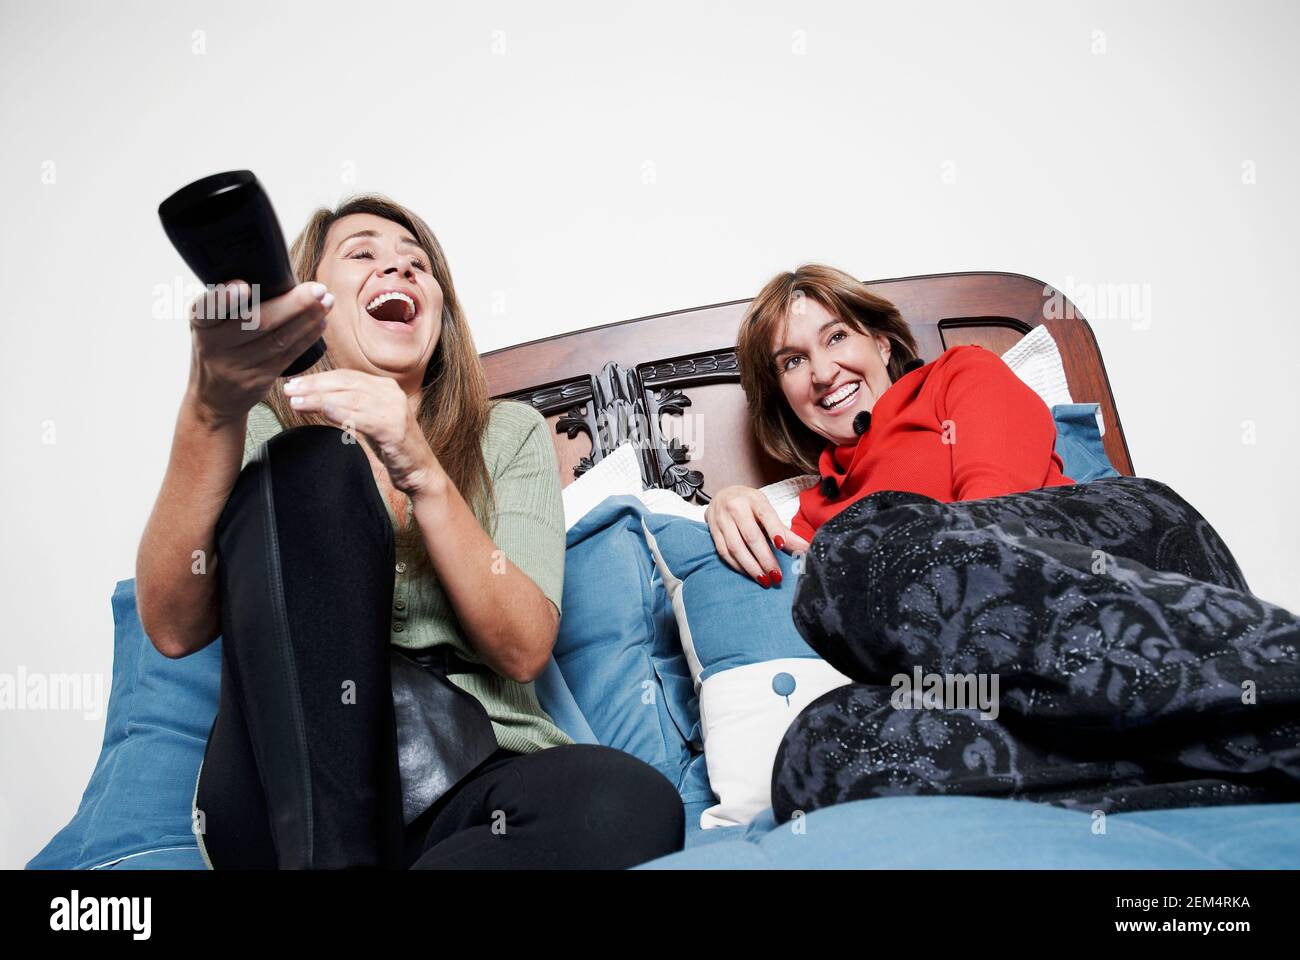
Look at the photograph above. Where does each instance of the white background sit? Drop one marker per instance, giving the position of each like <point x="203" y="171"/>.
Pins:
<point x="588" y="163"/>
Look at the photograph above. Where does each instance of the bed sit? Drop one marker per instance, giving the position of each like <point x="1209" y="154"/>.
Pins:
<point x="638" y="380"/>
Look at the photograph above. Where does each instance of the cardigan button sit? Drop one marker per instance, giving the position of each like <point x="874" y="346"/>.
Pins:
<point x="400" y="604"/>
<point x="401" y="566"/>
<point x="398" y="627"/>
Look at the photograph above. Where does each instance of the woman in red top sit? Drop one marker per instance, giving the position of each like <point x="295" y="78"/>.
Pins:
<point x="835" y="387"/>
<point x="1106" y="624"/>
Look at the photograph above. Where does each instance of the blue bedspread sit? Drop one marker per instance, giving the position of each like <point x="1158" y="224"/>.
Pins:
<point x="971" y="832"/>
<point x="986" y="833"/>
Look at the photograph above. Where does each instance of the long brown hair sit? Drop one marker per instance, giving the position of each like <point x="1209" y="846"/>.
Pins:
<point x="782" y="434"/>
<point x="454" y="406"/>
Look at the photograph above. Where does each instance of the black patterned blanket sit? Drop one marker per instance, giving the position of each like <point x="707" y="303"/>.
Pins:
<point x="1093" y="646"/>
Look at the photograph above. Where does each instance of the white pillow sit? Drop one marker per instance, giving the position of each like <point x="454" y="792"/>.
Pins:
<point x="784" y="494"/>
<point x="1037" y="361"/>
<point x="666" y="501"/>
<point x="619" y="473"/>
<point x="743" y="722"/>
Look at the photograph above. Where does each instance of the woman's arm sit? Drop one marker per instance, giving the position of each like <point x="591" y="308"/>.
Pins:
<point x="510" y="622"/>
<point x="1002" y="434"/>
<point x="232" y="364"/>
<point x="176" y="564"/>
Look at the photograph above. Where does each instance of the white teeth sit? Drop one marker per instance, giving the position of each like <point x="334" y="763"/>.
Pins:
<point x="393" y="295"/>
<point x="843" y="393"/>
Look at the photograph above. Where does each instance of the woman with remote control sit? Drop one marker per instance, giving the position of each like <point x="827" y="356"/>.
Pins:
<point x="382" y="504"/>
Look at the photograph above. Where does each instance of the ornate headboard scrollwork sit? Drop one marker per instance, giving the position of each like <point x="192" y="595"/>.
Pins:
<point x="626" y="406"/>
<point x="664" y="383"/>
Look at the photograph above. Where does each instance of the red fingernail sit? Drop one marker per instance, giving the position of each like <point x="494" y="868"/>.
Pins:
<point x="780" y="543"/>
<point x="776" y="576"/>
<point x="762" y="578"/>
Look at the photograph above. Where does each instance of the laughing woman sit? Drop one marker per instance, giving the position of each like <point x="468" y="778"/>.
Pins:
<point x="383" y="504"/>
<point x="1136" y="669"/>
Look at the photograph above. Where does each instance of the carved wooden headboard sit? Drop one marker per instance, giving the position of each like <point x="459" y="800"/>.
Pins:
<point x="671" y="383"/>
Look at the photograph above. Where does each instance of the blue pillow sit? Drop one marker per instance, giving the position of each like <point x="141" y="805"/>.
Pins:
<point x="732" y="620"/>
<point x="64" y="849"/>
<point x="1078" y="442"/>
<point x="753" y="671"/>
<point x="557" y="700"/>
<point x="618" y="650"/>
<point x="160" y="712"/>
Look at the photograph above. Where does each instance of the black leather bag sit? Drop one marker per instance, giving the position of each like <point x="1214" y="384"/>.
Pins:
<point x="443" y="732"/>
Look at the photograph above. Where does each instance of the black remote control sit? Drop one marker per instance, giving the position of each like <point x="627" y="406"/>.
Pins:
<point x="224" y="229"/>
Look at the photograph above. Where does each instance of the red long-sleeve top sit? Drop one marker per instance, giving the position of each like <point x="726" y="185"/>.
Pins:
<point x="961" y="427"/>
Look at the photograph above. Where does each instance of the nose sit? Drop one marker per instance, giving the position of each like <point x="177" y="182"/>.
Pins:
<point x="823" y="372"/>
<point x="399" y="264"/>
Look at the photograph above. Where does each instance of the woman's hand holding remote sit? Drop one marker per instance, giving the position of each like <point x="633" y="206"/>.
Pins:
<point x="240" y="346"/>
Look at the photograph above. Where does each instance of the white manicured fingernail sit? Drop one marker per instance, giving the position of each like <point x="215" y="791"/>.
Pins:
<point x="327" y="301"/>
<point x="318" y="290"/>
<point x="296" y="401"/>
<point x="292" y="385"/>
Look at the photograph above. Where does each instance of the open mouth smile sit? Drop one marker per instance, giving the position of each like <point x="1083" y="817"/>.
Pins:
<point x="841" y="398"/>
<point x="393" y="310"/>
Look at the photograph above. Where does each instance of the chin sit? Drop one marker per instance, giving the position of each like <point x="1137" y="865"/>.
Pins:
<point x="388" y="357"/>
<point x="840" y="429"/>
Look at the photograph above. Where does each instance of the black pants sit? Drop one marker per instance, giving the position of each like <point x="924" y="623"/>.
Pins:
<point x="300" y="769"/>
<point x="1135" y="669"/>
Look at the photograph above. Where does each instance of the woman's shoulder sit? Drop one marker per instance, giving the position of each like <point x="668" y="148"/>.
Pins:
<point x="514" y="428"/>
<point x="511" y="421"/>
<point x="514" y="411"/>
<point x="521" y="459"/>
<point x="966" y="355"/>
<point x="965" y="362"/>
<point x="975" y="377"/>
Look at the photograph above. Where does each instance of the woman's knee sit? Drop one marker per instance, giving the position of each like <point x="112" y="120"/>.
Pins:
<point x="616" y="780"/>
<point x="318" y="454"/>
<point x="1178" y="538"/>
<point x="612" y="803"/>
<point x="318" y="481"/>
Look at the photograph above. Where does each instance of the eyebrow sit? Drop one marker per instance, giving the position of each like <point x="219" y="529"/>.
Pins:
<point x="820" y="330"/>
<point x="374" y="233"/>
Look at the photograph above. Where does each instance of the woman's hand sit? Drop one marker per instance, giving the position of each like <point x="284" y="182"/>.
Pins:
<point x="742" y="520"/>
<point x="378" y="409"/>
<point x="239" y="347"/>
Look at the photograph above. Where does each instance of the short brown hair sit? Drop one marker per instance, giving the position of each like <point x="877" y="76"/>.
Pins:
<point x="782" y="434"/>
